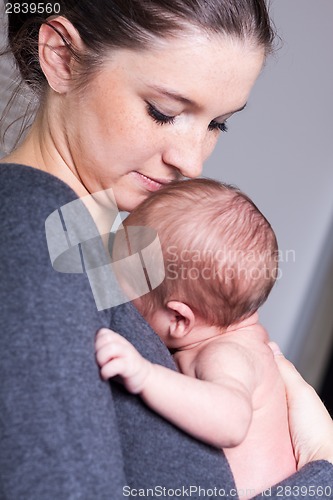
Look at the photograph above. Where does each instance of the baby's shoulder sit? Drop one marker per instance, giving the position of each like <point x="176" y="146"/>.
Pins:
<point x="226" y="356"/>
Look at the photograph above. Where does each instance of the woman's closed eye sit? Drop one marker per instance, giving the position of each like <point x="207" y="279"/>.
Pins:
<point x="159" y="117"/>
<point x="162" y="119"/>
<point x="223" y="127"/>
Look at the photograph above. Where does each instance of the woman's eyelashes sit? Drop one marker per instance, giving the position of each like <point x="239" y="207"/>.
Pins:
<point x="162" y="119"/>
<point x="223" y="127"/>
<point x="159" y="117"/>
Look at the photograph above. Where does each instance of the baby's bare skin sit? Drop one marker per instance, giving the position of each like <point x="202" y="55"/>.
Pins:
<point x="229" y="393"/>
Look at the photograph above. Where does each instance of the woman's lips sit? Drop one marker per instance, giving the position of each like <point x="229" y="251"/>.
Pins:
<point x="149" y="183"/>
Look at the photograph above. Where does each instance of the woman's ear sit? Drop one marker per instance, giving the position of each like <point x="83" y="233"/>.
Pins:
<point x="55" y="57"/>
<point x="182" y="320"/>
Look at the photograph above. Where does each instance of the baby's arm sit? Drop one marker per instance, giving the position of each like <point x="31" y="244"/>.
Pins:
<point x="216" y="407"/>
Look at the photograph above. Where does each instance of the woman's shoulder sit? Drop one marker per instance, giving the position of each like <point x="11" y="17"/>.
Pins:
<point x="27" y="185"/>
<point x="27" y="199"/>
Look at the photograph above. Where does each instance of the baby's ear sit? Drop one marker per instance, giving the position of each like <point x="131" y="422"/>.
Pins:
<point x="182" y="320"/>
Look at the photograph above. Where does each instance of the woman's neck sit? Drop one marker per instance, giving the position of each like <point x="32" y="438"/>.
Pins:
<point x="39" y="150"/>
<point x="44" y="150"/>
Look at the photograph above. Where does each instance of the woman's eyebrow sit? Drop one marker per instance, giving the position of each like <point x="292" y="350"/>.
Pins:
<point x="240" y="109"/>
<point x="185" y="100"/>
<point x="173" y="95"/>
<point x="235" y="111"/>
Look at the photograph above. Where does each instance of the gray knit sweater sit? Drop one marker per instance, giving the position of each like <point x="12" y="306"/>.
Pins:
<point x="64" y="433"/>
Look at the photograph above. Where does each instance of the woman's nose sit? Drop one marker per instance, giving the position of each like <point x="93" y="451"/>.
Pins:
<point x="187" y="155"/>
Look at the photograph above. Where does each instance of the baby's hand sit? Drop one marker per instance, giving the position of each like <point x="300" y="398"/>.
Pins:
<point x="116" y="356"/>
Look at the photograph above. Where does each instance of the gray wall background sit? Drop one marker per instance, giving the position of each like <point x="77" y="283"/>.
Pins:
<point x="279" y="150"/>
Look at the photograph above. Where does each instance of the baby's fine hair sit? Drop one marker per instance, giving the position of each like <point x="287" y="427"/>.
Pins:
<point x="220" y="252"/>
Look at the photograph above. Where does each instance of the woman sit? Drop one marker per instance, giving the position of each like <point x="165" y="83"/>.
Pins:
<point x="133" y="95"/>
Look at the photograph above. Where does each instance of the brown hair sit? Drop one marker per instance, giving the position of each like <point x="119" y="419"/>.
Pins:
<point x="220" y="252"/>
<point x="134" y="23"/>
<point x="107" y="24"/>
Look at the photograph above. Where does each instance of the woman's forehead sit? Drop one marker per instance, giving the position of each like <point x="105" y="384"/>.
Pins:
<point x="193" y="69"/>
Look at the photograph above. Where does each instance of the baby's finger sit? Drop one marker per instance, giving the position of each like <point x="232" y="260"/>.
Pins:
<point x="104" y="336"/>
<point x="113" y="368"/>
<point x="298" y="391"/>
<point x="287" y="370"/>
<point x="108" y="352"/>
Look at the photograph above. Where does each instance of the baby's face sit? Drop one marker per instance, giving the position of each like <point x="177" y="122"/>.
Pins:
<point x="159" y="321"/>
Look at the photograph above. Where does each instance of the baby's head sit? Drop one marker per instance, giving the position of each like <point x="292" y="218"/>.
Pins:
<point x="220" y="255"/>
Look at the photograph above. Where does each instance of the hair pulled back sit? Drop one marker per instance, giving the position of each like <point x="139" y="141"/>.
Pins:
<point x="111" y="24"/>
<point x="107" y="24"/>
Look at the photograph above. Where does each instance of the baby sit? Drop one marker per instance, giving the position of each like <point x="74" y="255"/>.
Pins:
<point x="220" y="262"/>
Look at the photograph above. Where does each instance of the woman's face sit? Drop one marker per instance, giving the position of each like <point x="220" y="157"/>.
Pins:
<point x="152" y="116"/>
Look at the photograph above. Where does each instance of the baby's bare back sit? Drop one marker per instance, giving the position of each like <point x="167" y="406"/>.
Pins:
<point x="266" y="456"/>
